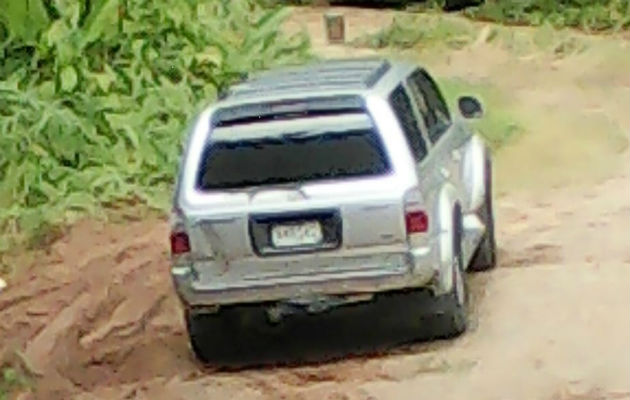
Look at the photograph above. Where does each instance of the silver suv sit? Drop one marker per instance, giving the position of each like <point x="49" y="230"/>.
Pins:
<point x="308" y="188"/>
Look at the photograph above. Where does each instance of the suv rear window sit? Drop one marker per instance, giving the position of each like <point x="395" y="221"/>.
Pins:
<point x="283" y="152"/>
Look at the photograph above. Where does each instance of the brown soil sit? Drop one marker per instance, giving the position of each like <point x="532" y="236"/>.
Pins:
<point x="96" y="317"/>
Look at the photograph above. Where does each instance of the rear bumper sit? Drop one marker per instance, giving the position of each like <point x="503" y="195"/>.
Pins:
<point x="415" y="269"/>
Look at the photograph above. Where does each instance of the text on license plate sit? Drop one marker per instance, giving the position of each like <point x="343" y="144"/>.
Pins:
<point x="305" y="234"/>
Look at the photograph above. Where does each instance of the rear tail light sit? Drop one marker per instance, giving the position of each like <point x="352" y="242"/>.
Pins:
<point x="416" y="222"/>
<point x="416" y="219"/>
<point x="180" y="244"/>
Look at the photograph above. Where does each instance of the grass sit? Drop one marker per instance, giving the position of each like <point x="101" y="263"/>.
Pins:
<point x="439" y="32"/>
<point x="560" y="148"/>
<point x="538" y="146"/>
<point x="426" y="30"/>
<point x="587" y="15"/>
<point x="500" y="124"/>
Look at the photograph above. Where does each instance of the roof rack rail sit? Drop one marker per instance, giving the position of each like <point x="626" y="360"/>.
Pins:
<point x="351" y="73"/>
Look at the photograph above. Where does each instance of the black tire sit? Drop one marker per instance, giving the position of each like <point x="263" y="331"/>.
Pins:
<point x="235" y="336"/>
<point x="485" y="256"/>
<point x="203" y="334"/>
<point x="216" y="339"/>
<point x="453" y="306"/>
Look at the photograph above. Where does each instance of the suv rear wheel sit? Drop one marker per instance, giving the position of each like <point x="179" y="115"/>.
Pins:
<point x="204" y="333"/>
<point x="453" y="306"/>
<point x="231" y="337"/>
<point x="216" y="339"/>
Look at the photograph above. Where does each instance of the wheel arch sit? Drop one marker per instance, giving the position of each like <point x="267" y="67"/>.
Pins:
<point x="474" y="172"/>
<point x="450" y="220"/>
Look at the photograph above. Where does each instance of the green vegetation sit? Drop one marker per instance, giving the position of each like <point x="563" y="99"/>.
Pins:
<point x="408" y="30"/>
<point x="500" y="124"/>
<point x="589" y="15"/>
<point x="435" y="31"/>
<point x="10" y="381"/>
<point x="95" y="96"/>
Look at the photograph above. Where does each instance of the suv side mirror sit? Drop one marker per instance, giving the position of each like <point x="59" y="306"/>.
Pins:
<point x="470" y="107"/>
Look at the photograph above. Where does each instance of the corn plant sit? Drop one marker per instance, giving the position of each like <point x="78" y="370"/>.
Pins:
<point x="94" y="97"/>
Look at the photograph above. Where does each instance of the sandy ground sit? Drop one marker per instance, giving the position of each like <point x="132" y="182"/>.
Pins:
<point x="96" y="318"/>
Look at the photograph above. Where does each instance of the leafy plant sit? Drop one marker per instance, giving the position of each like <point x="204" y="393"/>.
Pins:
<point x="95" y="95"/>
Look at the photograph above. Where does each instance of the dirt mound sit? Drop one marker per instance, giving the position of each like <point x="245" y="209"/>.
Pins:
<point x="98" y="309"/>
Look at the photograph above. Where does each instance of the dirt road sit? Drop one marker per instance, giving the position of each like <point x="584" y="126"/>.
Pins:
<point x="96" y="317"/>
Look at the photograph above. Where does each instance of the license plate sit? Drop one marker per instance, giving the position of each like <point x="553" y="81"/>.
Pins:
<point x="296" y="235"/>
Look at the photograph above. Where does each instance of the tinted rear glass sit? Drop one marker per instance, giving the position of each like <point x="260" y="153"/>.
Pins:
<point x="291" y="154"/>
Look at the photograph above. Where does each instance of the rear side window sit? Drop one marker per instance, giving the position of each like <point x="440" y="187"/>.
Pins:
<point x="284" y="153"/>
<point x="436" y="115"/>
<point x="401" y="104"/>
